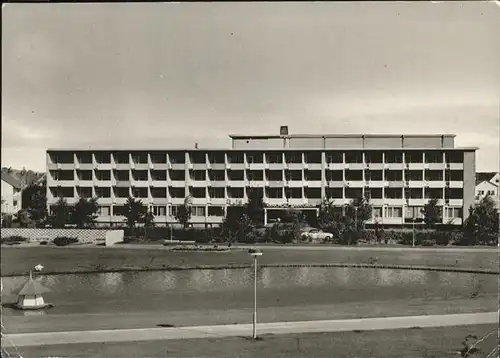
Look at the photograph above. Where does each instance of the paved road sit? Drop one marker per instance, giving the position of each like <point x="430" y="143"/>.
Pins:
<point x="145" y="334"/>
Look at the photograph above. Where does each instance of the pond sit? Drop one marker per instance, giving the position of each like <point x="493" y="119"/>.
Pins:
<point x="233" y="288"/>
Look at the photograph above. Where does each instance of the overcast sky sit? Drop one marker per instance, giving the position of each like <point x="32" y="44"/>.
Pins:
<point x="168" y="75"/>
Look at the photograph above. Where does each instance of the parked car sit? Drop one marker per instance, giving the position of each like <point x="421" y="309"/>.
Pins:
<point x="315" y="234"/>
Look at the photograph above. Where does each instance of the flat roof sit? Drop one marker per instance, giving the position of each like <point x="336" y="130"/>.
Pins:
<point x="262" y="136"/>
<point x="250" y="149"/>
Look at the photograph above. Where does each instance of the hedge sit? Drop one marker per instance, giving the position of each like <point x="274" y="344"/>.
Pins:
<point x="64" y="241"/>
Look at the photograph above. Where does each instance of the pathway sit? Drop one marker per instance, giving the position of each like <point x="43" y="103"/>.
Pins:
<point x="145" y="334"/>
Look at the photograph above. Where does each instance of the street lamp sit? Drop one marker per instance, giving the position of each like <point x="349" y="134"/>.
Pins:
<point x="255" y="254"/>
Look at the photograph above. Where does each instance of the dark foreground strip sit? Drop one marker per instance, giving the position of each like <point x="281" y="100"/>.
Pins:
<point x="226" y="267"/>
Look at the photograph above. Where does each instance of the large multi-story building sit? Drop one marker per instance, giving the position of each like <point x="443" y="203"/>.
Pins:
<point x="399" y="173"/>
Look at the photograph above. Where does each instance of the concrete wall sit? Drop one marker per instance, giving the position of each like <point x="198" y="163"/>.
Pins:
<point x="259" y="143"/>
<point x="448" y="142"/>
<point x="112" y="237"/>
<point x="306" y="143"/>
<point x="344" y="142"/>
<point x="422" y="142"/>
<point x="83" y="236"/>
<point x="383" y="142"/>
<point x="469" y="181"/>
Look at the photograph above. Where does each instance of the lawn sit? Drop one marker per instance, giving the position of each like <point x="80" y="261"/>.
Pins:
<point x="439" y="342"/>
<point x="19" y="260"/>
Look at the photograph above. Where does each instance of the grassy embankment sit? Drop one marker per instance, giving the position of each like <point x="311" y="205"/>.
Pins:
<point x="19" y="260"/>
<point x="408" y="343"/>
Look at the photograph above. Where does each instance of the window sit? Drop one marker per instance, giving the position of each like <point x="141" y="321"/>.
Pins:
<point x="177" y="175"/>
<point x="433" y="175"/>
<point x="354" y="157"/>
<point x="454" y="212"/>
<point x="198" y="211"/>
<point x="177" y="158"/>
<point x="122" y="158"/>
<point x="275" y="193"/>
<point x="275" y="158"/>
<point x="158" y="158"/>
<point x="140" y="192"/>
<point x="293" y="158"/>
<point x="414" y="212"/>
<point x="312" y="174"/>
<point x="236" y="175"/>
<point x="235" y="158"/>
<point x="198" y="192"/>
<point x="334" y="157"/>
<point x="215" y="211"/>
<point x="14" y="202"/>
<point x="103" y="192"/>
<point x="121" y="192"/>
<point x="84" y="192"/>
<point x="374" y="175"/>
<point x="218" y="193"/>
<point x="159" y="175"/>
<point x="141" y="175"/>
<point x="334" y="193"/>
<point x="217" y="158"/>
<point x="393" y="212"/>
<point x="159" y="210"/>
<point x="121" y="175"/>
<point x="198" y="158"/>
<point x="393" y="175"/>
<point x="235" y="193"/>
<point x="354" y="175"/>
<point x="294" y="193"/>
<point x="313" y="193"/>
<point x="255" y="175"/>
<point x="216" y="175"/>
<point x="293" y="175"/>
<point x="103" y="174"/>
<point x="140" y="158"/>
<point x="103" y="158"/>
<point x="119" y="210"/>
<point x="274" y="175"/>
<point x="198" y="175"/>
<point x="480" y="192"/>
<point x="313" y="157"/>
<point x="104" y="211"/>
<point x="177" y="193"/>
<point x="159" y="192"/>
<point x="172" y="211"/>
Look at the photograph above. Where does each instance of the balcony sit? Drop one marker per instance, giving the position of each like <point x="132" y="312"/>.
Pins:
<point x="235" y="183"/>
<point x="53" y="166"/>
<point x="296" y="201"/>
<point x="84" y="166"/>
<point x="104" y="183"/>
<point x="435" y="183"/>
<point x="377" y="201"/>
<point x="313" y="166"/>
<point x="103" y="166"/>
<point x="455" y="166"/>
<point x="176" y="183"/>
<point x="295" y="183"/>
<point x="274" y="201"/>
<point x="198" y="183"/>
<point x="456" y="184"/>
<point x="255" y="166"/>
<point x="159" y="201"/>
<point x="312" y="183"/>
<point x="198" y="166"/>
<point x="295" y="166"/>
<point x="177" y="201"/>
<point x="394" y="166"/>
<point x="256" y="183"/>
<point x="375" y="183"/>
<point x="123" y="183"/>
<point x="216" y="166"/>
<point x="53" y="182"/>
<point x="391" y="221"/>
<point x="355" y="183"/>
<point x="159" y="166"/>
<point x="394" y="202"/>
<point x="375" y="166"/>
<point x="177" y="166"/>
<point x="216" y="201"/>
<point x="415" y="166"/>
<point x="199" y="201"/>
<point x="312" y="201"/>
<point x="455" y="202"/>
<point x="395" y="184"/>
<point x="119" y="201"/>
<point x="275" y="183"/>
<point x="105" y="201"/>
<point x="159" y="183"/>
<point x="139" y="183"/>
<point x="355" y="166"/>
<point x="434" y="166"/>
<point x="121" y="166"/>
<point x="275" y="166"/>
<point x="66" y="166"/>
<point x="236" y="166"/>
<point x="217" y="183"/>
<point x="415" y="183"/>
<point x="416" y="202"/>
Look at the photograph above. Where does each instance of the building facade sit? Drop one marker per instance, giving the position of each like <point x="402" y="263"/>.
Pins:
<point x="399" y="173"/>
<point x="11" y="194"/>
<point x="487" y="184"/>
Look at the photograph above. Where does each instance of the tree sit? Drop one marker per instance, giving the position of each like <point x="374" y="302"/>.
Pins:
<point x="254" y="208"/>
<point x="60" y="215"/>
<point x="482" y="225"/>
<point x="232" y="222"/>
<point x="23" y="219"/>
<point x="84" y="214"/>
<point x="357" y="212"/>
<point x="184" y="212"/>
<point x="148" y="220"/>
<point x="34" y="200"/>
<point x="134" y="212"/>
<point x="432" y="213"/>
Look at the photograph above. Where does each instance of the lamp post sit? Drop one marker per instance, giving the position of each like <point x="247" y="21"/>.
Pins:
<point x="413" y="222"/>
<point x="255" y="254"/>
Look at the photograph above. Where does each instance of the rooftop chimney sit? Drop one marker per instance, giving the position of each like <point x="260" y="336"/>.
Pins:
<point x="284" y="130"/>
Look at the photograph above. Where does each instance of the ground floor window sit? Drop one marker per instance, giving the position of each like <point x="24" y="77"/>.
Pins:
<point x="454" y="212"/>
<point x="215" y="211"/>
<point x="104" y="211"/>
<point x="159" y="210"/>
<point x="393" y="212"/>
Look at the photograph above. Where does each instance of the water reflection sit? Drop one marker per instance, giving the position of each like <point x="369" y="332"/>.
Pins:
<point x="177" y="282"/>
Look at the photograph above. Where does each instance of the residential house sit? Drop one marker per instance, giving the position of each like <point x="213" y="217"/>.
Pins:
<point x="487" y="184"/>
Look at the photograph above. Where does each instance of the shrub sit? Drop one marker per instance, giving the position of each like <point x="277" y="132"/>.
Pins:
<point x="43" y="242"/>
<point x="14" y="239"/>
<point x="64" y="241"/>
